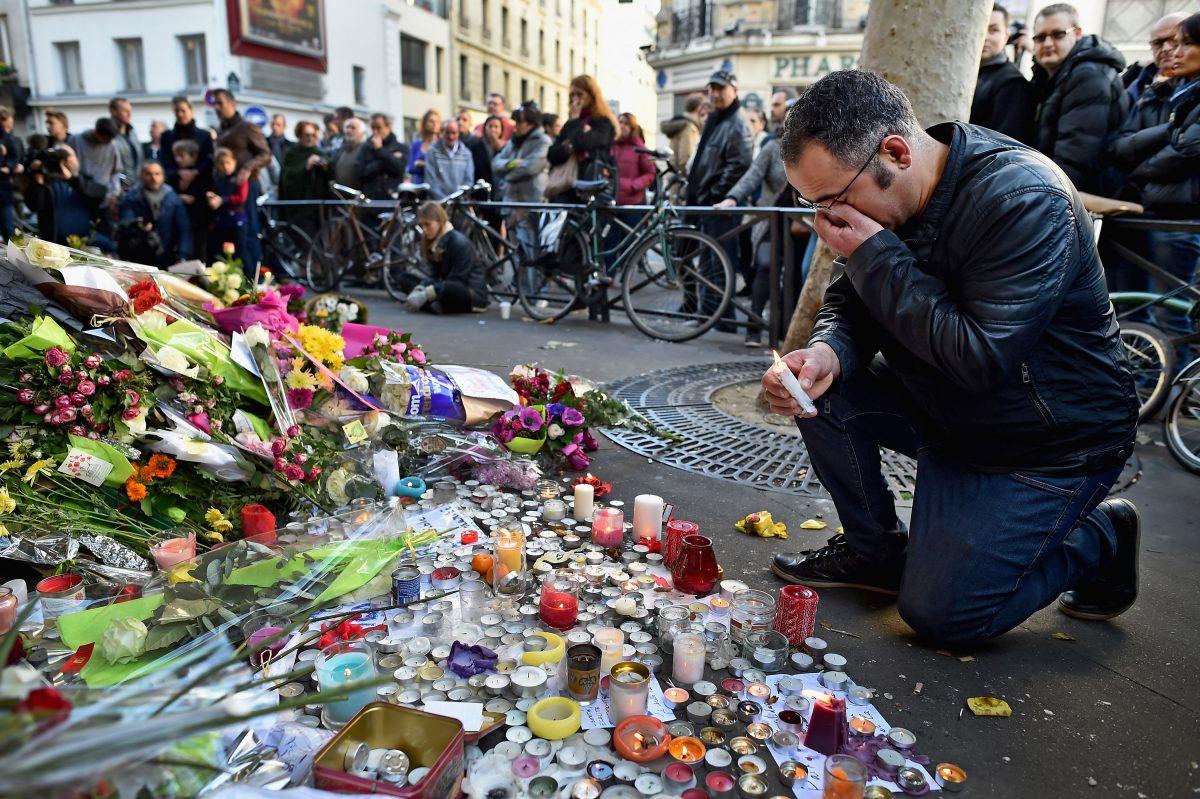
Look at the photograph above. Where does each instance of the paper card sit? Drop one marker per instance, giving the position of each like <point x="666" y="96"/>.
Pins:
<point x="355" y="432"/>
<point x="86" y="467"/>
<point x="469" y="713"/>
<point x="480" y="384"/>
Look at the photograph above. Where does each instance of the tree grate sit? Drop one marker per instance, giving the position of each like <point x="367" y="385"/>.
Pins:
<point x="717" y="444"/>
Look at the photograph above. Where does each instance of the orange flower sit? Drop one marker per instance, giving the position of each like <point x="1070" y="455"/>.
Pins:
<point x="135" y="490"/>
<point x="161" y="466"/>
<point x="145" y="474"/>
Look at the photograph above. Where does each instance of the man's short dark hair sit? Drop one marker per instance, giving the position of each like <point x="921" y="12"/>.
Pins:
<point x="343" y="112"/>
<point x="114" y="102"/>
<point x="382" y="117"/>
<point x="787" y="91"/>
<point x="549" y="119"/>
<point x="179" y="99"/>
<point x="224" y="93"/>
<point x="997" y="8"/>
<point x="105" y="128"/>
<point x="693" y="103"/>
<point x="1068" y="10"/>
<point x="849" y="112"/>
<point x="498" y="96"/>
<point x="528" y="113"/>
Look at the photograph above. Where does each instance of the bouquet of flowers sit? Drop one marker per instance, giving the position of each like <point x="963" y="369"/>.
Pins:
<point x="522" y="429"/>
<point x="333" y="312"/>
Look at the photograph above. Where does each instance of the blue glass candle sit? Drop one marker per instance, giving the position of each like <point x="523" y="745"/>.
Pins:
<point x="340" y="664"/>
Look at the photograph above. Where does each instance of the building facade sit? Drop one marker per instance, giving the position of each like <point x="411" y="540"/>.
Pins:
<point x="302" y="59"/>
<point x="523" y="50"/>
<point x="627" y="33"/>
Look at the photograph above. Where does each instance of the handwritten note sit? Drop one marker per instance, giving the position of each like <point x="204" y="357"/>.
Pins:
<point x="85" y="466"/>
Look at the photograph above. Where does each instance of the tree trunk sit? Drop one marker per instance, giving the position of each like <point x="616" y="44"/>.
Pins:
<point x="930" y="49"/>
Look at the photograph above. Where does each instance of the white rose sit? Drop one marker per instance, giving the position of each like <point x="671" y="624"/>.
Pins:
<point x="176" y="361"/>
<point x="257" y="334"/>
<point x="354" y="379"/>
<point x="217" y="269"/>
<point x="335" y="486"/>
<point x="554" y="431"/>
<point x="152" y="320"/>
<point x="233" y="280"/>
<point x="347" y="312"/>
<point x="123" y="640"/>
<point x="137" y="425"/>
<point x="230" y="296"/>
<point x="47" y="254"/>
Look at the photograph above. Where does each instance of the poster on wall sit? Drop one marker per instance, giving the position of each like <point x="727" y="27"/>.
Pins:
<point x="295" y="26"/>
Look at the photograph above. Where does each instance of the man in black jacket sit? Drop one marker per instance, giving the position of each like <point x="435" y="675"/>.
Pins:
<point x="722" y="155"/>
<point x="186" y="128"/>
<point x="1081" y="101"/>
<point x="381" y="160"/>
<point x="1002" y="98"/>
<point x="969" y="264"/>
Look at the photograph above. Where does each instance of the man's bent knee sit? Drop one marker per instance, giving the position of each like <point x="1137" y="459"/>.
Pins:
<point x="936" y="622"/>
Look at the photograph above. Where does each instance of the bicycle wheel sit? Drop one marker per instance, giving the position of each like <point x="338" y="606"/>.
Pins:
<point x="332" y="249"/>
<point x="402" y="256"/>
<point x="678" y="285"/>
<point x="551" y="287"/>
<point x="285" y="248"/>
<point x="1181" y="425"/>
<point x="1152" y="360"/>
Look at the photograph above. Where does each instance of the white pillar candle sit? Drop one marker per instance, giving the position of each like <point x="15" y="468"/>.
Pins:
<point x="610" y="640"/>
<point x="584" y="498"/>
<point x="647" y="517"/>
<point x="687" y="666"/>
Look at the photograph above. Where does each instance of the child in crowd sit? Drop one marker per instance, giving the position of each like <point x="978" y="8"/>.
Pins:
<point x="227" y="201"/>
<point x="193" y="187"/>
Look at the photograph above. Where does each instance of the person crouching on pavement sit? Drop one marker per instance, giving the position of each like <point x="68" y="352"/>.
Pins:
<point x="969" y="328"/>
<point x="458" y="284"/>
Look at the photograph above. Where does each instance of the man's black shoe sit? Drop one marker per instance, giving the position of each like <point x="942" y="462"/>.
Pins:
<point x="1114" y="589"/>
<point x="837" y="566"/>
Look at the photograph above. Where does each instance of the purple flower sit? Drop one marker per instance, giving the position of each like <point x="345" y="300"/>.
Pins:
<point x="55" y="357"/>
<point x="572" y="417"/>
<point x="589" y="441"/>
<point x="555" y="409"/>
<point x="531" y="418"/>
<point x="300" y="398"/>
<point x="576" y="459"/>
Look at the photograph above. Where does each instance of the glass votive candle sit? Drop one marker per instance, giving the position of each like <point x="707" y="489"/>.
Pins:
<point x="472" y="600"/>
<point x="628" y="690"/>
<point x="554" y="510"/>
<point x="845" y="777"/>
<point x="688" y="658"/>
<point x="8" y="609"/>
<point x="342" y="664"/>
<point x="559" y="603"/>
<point x="767" y="650"/>
<point x="548" y="489"/>
<point x="170" y="551"/>
<point x="608" y="527"/>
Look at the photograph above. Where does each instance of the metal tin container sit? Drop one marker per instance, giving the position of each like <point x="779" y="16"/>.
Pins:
<point x="406" y="584"/>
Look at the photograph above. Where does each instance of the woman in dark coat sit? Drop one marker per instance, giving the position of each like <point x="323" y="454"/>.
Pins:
<point x="588" y="135"/>
<point x="458" y="284"/>
<point x="304" y="175"/>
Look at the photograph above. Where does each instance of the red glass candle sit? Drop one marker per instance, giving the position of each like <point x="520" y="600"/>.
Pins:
<point x="608" y="527"/>
<point x="559" y="604"/>
<point x="796" y="614"/>
<point x="827" y="726"/>
<point x="676" y="530"/>
<point x="258" y="525"/>
<point x="695" y="570"/>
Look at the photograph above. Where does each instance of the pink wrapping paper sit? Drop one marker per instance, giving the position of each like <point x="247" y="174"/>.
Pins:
<point x="270" y="311"/>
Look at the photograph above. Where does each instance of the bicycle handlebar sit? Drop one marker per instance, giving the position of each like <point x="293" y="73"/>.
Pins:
<point x="338" y="188"/>
<point x="658" y="155"/>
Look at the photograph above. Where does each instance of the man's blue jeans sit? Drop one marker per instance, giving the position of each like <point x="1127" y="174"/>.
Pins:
<point x="985" y="550"/>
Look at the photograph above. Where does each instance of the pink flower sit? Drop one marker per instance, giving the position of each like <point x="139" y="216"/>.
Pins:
<point x="78" y="430"/>
<point x="86" y="387"/>
<point x="200" y="420"/>
<point x="86" y="411"/>
<point x="294" y="431"/>
<point x="576" y="459"/>
<point x="122" y="375"/>
<point x="100" y="427"/>
<point x="417" y="356"/>
<point x="62" y="401"/>
<point x="177" y="383"/>
<point x="280" y="464"/>
<point x="218" y="380"/>
<point x="91" y="361"/>
<point x="103" y="380"/>
<point x="132" y="397"/>
<point x="301" y="458"/>
<point x="66" y="378"/>
<point x="589" y="441"/>
<point x="314" y="473"/>
<point x="25" y="377"/>
<point x="93" y="435"/>
<point x="300" y="398"/>
<point x="51" y="418"/>
<point x="41" y="407"/>
<point x="78" y="400"/>
<point x="129" y="414"/>
<point x="55" y="357"/>
<point x="67" y="415"/>
<point x="278" y="446"/>
<point x="293" y="472"/>
<point x="25" y="396"/>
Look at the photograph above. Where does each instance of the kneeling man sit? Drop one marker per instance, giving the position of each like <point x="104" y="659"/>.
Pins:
<point x="968" y="326"/>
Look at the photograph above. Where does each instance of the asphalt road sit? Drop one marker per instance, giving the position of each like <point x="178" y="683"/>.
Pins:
<point x="1110" y="712"/>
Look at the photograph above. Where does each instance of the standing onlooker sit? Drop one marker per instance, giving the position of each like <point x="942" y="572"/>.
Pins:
<point x="331" y="140"/>
<point x="756" y="123"/>
<point x="193" y="186"/>
<point x="100" y="170"/>
<point x="7" y="123"/>
<point x="448" y="163"/>
<point x="1162" y="49"/>
<point x="345" y="163"/>
<point x="229" y="202"/>
<point x="587" y="137"/>
<point x="59" y="129"/>
<point x="381" y="159"/>
<point x="521" y="163"/>
<point x="635" y="171"/>
<point x="484" y="148"/>
<point x="187" y="129"/>
<point x="762" y="185"/>
<point x="551" y="125"/>
<point x="304" y="175"/>
<point x="155" y="207"/>
<point x="246" y="143"/>
<point x="152" y="150"/>
<point x="495" y="108"/>
<point x="128" y="148"/>
<point x="278" y="140"/>
<point x="683" y="131"/>
<point x="1081" y="102"/>
<point x="10" y="165"/>
<point x="62" y="209"/>
<point x="431" y="123"/>
<point x="722" y="156"/>
<point x="1003" y="100"/>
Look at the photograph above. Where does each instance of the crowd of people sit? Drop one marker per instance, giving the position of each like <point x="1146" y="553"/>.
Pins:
<point x="1133" y="134"/>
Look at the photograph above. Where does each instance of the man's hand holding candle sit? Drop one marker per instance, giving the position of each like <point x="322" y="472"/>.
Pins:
<point x="816" y="367"/>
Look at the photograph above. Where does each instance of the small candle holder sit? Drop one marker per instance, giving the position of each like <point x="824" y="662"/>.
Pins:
<point x="767" y="650"/>
<point x="844" y="776"/>
<point x="559" y="603"/>
<point x="169" y="550"/>
<point x="608" y="527"/>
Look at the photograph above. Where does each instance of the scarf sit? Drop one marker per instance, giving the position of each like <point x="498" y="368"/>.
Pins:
<point x="155" y="198"/>
<point x="439" y="244"/>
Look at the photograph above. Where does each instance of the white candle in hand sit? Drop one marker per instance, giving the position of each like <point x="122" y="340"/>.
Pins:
<point x="793" y="385"/>
<point x="584" y="497"/>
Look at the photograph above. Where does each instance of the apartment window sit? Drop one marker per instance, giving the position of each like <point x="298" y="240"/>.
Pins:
<point x="507" y="86"/>
<point x="541" y="47"/>
<point x="5" y="41"/>
<point x="558" y="56"/>
<point x="557" y="101"/>
<point x="572" y="61"/>
<point x="524" y="37"/>
<point x="524" y="90"/>
<point x="195" y="60"/>
<point x="133" y="65"/>
<point x="464" y="90"/>
<point x="542" y="97"/>
<point x="360" y="86"/>
<point x="504" y="26"/>
<point x="486" y="20"/>
<point x="487" y="80"/>
<point x="558" y="8"/>
<point x="69" y="67"/>
<point x="438" y="56"/>
<point x="412" y="61"/>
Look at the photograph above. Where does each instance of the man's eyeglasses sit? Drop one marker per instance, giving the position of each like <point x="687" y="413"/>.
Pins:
<point x="1057" y="36"/>
<point x="825" y="206"/>
<point x="1158" y="44"/>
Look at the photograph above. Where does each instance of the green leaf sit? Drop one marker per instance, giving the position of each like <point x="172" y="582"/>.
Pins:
<point x="187" y="609"/>
<point x="161" y="636"/>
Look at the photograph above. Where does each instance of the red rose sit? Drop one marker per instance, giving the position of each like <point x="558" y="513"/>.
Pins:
<point x="45" y="701"/>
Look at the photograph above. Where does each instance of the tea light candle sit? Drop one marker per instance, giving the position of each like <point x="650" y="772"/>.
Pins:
<point x="675" y="697"/>
<point x="647" y="517"/>
<point x="862" y="725"/>
<point x="584" y="502"/>
<point x="554" y="510"/>
<point x="759" y="692"/>
<point x="951" y="777"/>
<point x="901" y="738"/>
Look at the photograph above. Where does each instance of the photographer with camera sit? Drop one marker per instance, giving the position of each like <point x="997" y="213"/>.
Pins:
<point x="154" y="227"/>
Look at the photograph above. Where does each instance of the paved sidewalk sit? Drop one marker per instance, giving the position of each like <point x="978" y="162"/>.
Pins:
<point x="1113" y="712"/>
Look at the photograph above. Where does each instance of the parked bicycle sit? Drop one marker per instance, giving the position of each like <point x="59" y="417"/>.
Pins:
<point x="285" y="246"/>
<point x="377" y="241"/>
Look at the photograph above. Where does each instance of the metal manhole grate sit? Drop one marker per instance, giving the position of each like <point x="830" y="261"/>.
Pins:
<point x="720" y="445"/>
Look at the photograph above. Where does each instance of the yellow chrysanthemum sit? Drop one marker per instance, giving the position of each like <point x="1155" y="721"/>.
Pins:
<point x="3" y="530"/>
<point x="36" y="468"/>
<point x="298" y="378"/>
<point x="10" y="464"/>
<point x="211" y="535"/>
<point x="323" y="345"/>
<point x="7" y="503"/>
